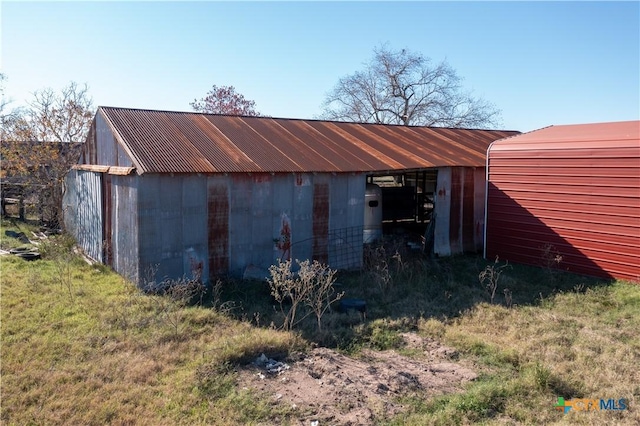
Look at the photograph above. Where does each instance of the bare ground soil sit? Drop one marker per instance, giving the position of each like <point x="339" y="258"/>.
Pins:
<point x="327" y="387"/>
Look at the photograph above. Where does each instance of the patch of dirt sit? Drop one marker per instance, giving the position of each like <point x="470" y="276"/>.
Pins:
<point x="330" y="388"/>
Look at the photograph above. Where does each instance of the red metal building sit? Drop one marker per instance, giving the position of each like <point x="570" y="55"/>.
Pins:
<point x="567" y="196"/>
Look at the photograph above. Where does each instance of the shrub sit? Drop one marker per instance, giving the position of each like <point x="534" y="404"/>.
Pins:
<point x="311" y="289"/>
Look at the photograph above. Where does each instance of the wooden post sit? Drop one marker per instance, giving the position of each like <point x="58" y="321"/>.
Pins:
<point x="21" y="208"/>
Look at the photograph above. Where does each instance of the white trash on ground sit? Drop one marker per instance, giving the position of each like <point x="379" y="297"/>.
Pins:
<point x="270" y="365"/>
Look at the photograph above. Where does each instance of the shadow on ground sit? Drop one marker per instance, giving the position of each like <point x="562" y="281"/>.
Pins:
<point x="403" y="287"/>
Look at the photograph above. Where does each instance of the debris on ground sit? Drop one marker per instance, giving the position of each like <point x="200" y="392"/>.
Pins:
<point x="328" y="387"/>
<point x="270" y="365"/>
<point x="20" y="236"/>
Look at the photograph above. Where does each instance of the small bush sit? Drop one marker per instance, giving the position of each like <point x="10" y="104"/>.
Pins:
<point x="311" y="288"/>
<point x="490" y="277"/>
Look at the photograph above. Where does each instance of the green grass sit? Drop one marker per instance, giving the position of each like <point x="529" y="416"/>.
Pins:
<point x="87" y="348"/>
<point x="80" y="345"/>
<point x="578" y="344"/>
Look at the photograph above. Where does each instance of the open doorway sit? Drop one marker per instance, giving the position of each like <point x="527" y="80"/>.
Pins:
<point x="408" y="201"/>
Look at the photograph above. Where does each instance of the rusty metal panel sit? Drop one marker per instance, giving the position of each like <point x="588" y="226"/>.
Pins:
<point x="275" y="217"/>
<point x="266" y="154"/>
<point x="175" y="142"/>
<point x="331" y="152"/>
<point x="82" y="210"/>
<point x="570" y="190"/>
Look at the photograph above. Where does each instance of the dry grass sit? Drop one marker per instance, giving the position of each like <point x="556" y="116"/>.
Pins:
<point x="575" y="344"/>
<point x="102" y="354"/>
<point x="82" y="346"/>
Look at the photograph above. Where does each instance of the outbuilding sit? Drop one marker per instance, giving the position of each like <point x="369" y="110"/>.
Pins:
<point x="161" y="194"/>
<point x="567" y="197"/>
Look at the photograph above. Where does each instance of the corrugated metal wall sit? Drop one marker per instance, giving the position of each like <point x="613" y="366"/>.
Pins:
<point x="123" y="239"/>
<point x="108" y="151"/>
<point x="220" y="224"/>
<point x="172" y="223"/>
<point x="82" y="204"/>
<point x="293" y="215"/>
<point x="576" y="201"/>
<point x="159" y="226"/>
<point x="459" y="210"/>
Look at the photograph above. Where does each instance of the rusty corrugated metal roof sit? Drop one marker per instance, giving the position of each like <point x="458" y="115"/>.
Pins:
<point x="188" y="142"/>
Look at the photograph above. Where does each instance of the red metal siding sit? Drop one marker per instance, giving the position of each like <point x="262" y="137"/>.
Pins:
<point x="575" y="189"/>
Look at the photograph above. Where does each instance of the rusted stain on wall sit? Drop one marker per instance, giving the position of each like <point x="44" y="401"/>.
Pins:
<point x="320" y="221"/>
<point x="218" y="228"/>
<point x="284" y="242"/>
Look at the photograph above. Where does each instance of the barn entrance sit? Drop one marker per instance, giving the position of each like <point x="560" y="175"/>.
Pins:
<point x="408" y="202"/>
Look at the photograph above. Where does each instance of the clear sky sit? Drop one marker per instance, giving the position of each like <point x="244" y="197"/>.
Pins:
<point x="541" y="63"/>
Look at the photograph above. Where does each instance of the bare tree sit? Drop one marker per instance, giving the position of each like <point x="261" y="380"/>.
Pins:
<point x="225" y="100"/>
<point x="401" y="87"/>
<point x="3" y="102"/>
<point x="42" y="141"/>
<point x="60" y="117"/>
<point x="8" y="117"/>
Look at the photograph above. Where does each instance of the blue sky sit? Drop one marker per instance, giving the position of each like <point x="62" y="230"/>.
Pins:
<point x="541" y="63"/>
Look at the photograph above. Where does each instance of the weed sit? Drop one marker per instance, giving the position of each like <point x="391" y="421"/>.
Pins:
<point x="216" y="294"/>
<point x="60" y="250"/>
<point x="376" y="267"/>
<point x="112" y="357"/>
<point x="508" y="297"/>
<point x="171" y="298"/>
<point x="490" y="277"/>
<point x="311" y="287"/>
<point x="550" y="256"/>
